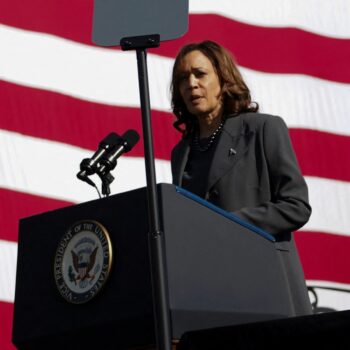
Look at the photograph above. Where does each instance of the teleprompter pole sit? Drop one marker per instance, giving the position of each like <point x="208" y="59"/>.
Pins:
<point x="156" y="236"/>
<point x="156" y="239"/>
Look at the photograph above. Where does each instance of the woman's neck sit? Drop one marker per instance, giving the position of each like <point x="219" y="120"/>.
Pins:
<point x="208" y="125"/>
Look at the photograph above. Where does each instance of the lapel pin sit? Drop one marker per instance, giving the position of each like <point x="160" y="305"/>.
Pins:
<point x="232" y="152"/>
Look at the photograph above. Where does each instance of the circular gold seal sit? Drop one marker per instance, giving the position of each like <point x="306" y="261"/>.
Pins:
<point x="83" y="261"/>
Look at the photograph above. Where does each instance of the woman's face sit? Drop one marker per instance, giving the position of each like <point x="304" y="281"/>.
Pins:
<point x="200" y="86"/>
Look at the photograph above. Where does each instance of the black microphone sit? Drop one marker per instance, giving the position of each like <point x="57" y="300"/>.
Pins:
<point x="126" y="143"/>
<point x="88" y="166"/>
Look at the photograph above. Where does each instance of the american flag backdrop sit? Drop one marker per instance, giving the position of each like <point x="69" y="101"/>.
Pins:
<point x="60" y="95"/>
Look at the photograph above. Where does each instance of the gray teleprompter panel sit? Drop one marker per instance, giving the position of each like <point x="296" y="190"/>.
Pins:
<point x="117" y="19"/>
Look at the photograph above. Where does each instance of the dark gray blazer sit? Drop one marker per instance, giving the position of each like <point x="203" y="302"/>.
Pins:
<point x="255" y="174"/>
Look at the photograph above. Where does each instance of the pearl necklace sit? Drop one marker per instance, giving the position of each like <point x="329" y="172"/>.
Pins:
<point x="197" y="145"/>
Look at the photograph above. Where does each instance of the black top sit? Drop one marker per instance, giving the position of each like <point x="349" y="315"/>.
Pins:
<point x="197" y="168"/>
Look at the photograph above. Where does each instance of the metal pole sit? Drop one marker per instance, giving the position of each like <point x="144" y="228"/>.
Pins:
<point x="156" y="239"/>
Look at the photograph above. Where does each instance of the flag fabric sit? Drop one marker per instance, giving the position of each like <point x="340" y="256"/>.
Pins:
<point x="60" y="95"/>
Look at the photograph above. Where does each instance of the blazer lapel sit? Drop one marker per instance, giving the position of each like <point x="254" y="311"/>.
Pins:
<point x="180" y="160"/>
<point x="230" y="148"/>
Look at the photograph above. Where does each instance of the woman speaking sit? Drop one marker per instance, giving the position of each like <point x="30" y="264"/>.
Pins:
<point x="235" y="157"/>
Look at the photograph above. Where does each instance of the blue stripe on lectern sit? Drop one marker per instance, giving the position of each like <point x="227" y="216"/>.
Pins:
<point x="226" y="214"/>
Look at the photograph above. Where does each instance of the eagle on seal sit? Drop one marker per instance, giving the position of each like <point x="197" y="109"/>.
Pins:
<point x="83" y="262"/>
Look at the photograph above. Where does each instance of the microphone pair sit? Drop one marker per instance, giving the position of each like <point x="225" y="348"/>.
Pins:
<point x="105" y="158"/>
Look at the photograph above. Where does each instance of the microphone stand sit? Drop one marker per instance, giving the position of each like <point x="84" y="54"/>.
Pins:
<point x="156" y="236"/>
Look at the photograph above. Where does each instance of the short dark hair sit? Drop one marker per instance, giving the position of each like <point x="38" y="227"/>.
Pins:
<point x="235" y="93"/>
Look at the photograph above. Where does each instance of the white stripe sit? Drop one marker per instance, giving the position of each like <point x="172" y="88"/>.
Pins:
<point x="326" y="17"/>
<point x="328" y="284"/>
<point x="8" y="261"/>
<point x="110" y="77"/>
<point x="330" y="201"/>
<point x="330" y="299"/>
<point x="45" y="61"/>
<point x="51" y="173"/>
<point x="302" y="101"/>
<point x="49" y="169"/>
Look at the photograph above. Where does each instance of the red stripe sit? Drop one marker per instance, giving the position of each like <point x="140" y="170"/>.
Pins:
<point x="67" y="19"/>
<point x="16" y="205"/>
<point x="76" y="122"/>
<point x="84" y="124"/>
<point x="276" y="50"/>
<point x="322" y="154"/>
<point x="324" y="257"/>
<point x="6" y="317"/>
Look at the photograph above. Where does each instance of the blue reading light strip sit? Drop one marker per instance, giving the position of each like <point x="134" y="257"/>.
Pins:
<point x="226" y="214"/>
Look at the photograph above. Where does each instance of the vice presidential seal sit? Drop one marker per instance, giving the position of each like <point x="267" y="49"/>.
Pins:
<point x="83" y="261"/>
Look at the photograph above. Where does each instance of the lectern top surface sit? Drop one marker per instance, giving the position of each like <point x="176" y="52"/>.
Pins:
<point x="226" y="214"/>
